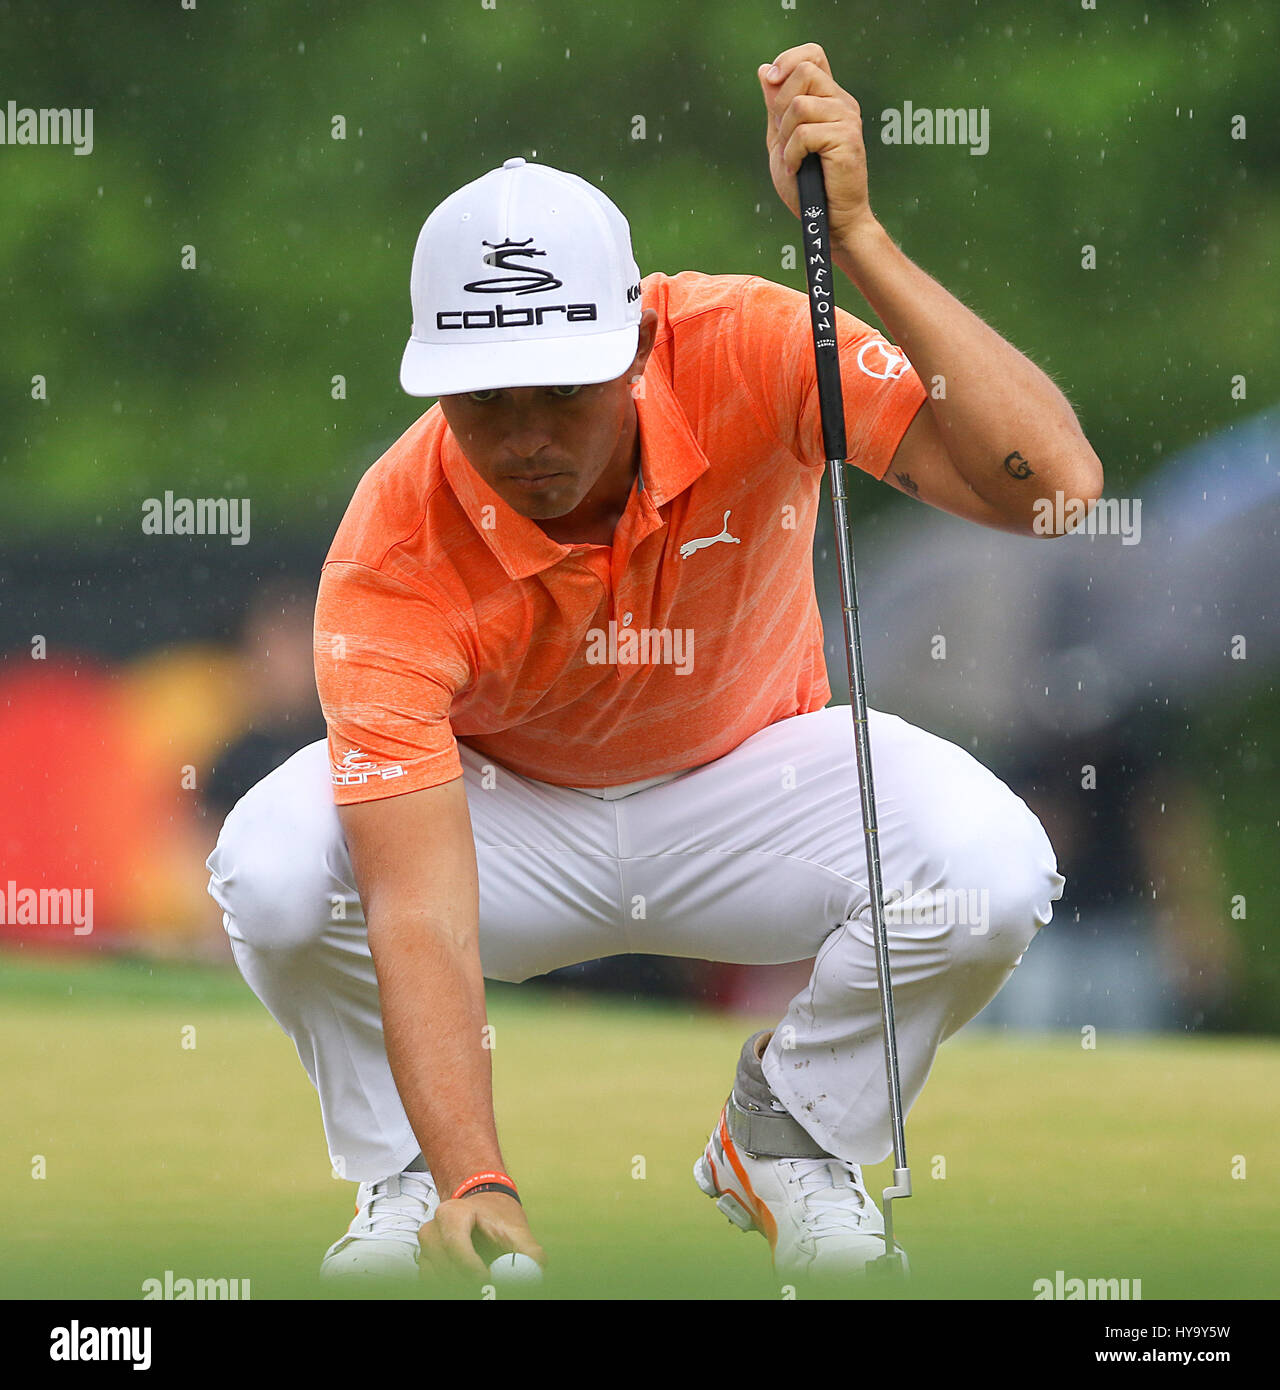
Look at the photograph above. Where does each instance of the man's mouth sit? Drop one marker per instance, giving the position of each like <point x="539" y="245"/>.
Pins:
<point x="532" y="480"/>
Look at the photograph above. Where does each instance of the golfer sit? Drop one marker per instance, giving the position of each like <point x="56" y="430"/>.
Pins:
<point x="569" y="654"/>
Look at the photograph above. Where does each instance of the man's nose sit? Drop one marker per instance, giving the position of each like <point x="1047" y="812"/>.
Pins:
<point x="526" y="435"/>
<point x="526" y="444"/>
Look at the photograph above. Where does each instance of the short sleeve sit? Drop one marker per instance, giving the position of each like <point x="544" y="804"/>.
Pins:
<point x="882" y="392"/>
<point x="388" y="663"/>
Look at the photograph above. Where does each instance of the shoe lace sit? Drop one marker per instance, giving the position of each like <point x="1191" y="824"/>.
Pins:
<point x="395" y="1215"/>
<point x="826" y="1185"/>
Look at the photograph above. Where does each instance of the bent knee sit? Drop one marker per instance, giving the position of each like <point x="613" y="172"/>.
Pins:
<point x="274" y="871"/>
<point x="1000" y="883"/>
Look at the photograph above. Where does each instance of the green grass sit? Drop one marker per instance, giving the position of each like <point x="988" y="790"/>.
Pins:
<point x="210" y="1161"/>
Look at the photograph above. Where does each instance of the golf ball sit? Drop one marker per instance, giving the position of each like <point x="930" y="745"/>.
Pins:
<point x="515" y="1269"/>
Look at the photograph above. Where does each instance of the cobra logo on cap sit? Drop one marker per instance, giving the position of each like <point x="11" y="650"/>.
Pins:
<point x="527" y="280"/>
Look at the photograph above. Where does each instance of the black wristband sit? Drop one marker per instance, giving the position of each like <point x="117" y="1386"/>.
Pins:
<point x="493" y="1187"/>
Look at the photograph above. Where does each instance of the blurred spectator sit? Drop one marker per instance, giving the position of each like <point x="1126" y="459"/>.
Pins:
<point x="278" y="680"/>
<point x="1140" y="939"/>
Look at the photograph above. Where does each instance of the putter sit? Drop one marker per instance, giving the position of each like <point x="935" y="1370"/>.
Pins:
<point x="818" y="271"/>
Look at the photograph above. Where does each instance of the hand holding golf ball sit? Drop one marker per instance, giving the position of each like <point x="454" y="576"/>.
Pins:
<point x="515" y="1269"/>
<point x="481" y="1233"/>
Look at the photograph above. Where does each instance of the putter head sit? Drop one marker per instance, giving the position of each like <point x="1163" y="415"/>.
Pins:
<point x="891" y="1265"/>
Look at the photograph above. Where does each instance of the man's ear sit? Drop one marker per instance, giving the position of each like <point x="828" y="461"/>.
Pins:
<point x="644" y="345"/>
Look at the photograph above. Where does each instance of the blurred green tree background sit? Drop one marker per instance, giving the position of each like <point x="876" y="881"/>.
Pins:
<point x="213" y="129"/>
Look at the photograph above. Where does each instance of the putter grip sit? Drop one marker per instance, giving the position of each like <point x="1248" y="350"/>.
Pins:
<point x="822" y="304"/>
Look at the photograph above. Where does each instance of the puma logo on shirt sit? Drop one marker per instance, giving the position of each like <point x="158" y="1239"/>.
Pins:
<point x="689" y="547"/>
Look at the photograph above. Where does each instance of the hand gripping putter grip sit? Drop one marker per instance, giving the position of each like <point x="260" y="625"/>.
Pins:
<point x="818" y="271"/>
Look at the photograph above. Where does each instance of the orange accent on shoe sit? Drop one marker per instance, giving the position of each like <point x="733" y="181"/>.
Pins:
<point x="762" y="1213"/>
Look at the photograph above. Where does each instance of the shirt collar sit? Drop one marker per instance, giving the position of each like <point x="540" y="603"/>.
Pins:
<point x="670" y="460"/>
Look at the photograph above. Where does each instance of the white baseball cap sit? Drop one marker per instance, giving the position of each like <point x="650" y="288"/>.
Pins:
<point x="524" y="277"/>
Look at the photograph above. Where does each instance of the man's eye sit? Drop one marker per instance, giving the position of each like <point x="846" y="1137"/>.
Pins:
<point x="563" y="392"/>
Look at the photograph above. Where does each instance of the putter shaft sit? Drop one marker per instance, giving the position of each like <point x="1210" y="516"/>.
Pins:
<point x="818" y="271"/>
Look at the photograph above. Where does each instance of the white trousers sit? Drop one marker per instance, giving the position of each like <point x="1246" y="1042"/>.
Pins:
<point x="755" y="858"/>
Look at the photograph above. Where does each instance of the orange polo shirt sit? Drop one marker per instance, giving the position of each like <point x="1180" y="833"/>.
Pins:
<point x="444" y="616"/>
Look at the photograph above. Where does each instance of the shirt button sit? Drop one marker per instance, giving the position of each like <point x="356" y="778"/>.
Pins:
<point x="626" y="619"/>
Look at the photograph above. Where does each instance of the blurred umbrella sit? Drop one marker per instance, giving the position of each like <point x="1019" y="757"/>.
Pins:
<point x="1001" y="640"/>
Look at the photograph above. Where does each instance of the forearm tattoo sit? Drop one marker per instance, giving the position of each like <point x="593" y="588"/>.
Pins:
<point x="908" y="484"/>
<point x="1017" y="467"/>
